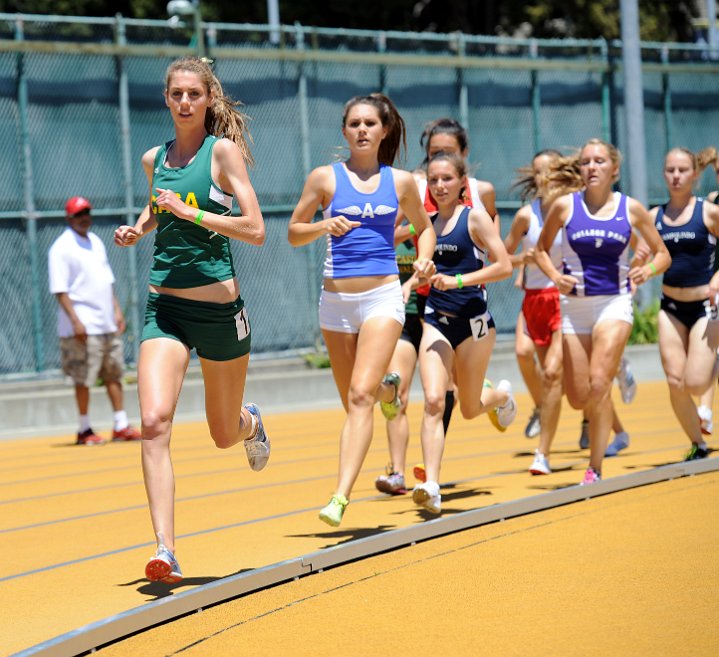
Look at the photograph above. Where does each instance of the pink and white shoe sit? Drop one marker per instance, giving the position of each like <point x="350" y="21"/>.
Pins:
<point x="591" y="476"/>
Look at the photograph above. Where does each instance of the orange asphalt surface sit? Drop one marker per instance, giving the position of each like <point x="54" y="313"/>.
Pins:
<point x="631" y="573"/>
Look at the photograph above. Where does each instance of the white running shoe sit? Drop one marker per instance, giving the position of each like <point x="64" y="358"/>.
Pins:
<point x="507" y="412"/>
<point x="163" y="567"/>
<point x="705" y="419"/>
<point x="257" y="447"/>
<point x="427" y="495"/>
<point x="626" y="381"/>
<point x="540" y="465"/>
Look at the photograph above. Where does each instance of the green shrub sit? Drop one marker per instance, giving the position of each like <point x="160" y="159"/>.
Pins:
<point x="317" y="360"/>
<point x="645" y="329"/>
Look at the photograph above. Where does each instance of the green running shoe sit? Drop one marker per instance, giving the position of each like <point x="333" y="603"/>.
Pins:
<point x="333" y="512"/>
<point x="391" y="409"/>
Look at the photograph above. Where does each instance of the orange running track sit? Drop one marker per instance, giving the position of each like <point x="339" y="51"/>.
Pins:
<point x="76" y="534"/>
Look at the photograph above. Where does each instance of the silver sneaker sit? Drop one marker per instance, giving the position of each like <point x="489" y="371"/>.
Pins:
<point x="257" y="447"/>
<point x="626" y="381"/>
<point x="534" y="426"/>
<point x="620" y="442"/>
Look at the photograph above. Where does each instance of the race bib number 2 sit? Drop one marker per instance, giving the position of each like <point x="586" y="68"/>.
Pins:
<point x="242" y="324"/>
<point x="480" y="326"/>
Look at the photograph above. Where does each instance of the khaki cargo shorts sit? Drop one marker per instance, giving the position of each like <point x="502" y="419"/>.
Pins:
<point x="100" y="357"/>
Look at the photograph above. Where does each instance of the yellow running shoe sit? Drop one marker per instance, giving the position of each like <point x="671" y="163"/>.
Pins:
<point x="333" y="512"/>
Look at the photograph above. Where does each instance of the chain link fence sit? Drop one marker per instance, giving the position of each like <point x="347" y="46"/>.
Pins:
<point x="81" y="101"/>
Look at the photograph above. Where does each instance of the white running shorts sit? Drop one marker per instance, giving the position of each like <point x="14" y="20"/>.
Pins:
<point x="346" y="312"/>
<point x="580" y="314"/>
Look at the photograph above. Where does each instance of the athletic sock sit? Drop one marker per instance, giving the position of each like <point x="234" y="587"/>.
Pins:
<point x="84" y="423"/>
<point x="121" y="421"/>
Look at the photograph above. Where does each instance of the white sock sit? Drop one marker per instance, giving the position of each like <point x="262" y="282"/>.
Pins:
<point x="84" y="423"/>
<point x="705" y="413"/>
<point x="121" y="421"/>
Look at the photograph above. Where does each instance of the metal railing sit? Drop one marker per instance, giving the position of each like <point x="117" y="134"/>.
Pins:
<point x="80" y="101"/>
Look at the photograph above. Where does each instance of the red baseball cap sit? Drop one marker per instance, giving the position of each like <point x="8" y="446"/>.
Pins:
<point x="77" y="204"/>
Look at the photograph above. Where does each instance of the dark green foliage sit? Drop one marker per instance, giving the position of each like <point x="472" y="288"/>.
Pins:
<point x="660" y="20"/>
<point x="645" y="329"/>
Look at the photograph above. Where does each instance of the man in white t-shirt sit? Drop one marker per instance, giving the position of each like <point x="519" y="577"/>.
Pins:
<point x="89" y="319"/>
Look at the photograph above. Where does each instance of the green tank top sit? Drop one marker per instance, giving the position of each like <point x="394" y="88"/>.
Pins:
<point x="406" y="255"/>
<point x="188" y="255"/>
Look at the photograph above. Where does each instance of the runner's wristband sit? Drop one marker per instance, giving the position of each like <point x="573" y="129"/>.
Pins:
<point x="198" y="218"/>
<point x="460" y="282"/>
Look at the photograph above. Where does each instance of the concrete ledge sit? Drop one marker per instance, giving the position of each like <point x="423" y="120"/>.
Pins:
<point x="47" y="407"/>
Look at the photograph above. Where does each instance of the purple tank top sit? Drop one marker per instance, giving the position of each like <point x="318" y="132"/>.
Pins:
<point x="595" y="250"/>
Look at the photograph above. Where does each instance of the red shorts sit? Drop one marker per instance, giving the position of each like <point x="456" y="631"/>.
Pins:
<point x="542" y="315"/>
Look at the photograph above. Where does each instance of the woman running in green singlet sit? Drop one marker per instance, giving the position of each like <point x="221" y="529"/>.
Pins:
<point x="194" y="300"/>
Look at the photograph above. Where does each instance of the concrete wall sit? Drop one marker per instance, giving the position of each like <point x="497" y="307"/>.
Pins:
<point x="281" y="385"/>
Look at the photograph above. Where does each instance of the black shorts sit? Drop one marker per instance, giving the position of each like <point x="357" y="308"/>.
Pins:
<point x="458" y="329"/>
<point x="412" y="331"/>
<point x="688" y="312"/>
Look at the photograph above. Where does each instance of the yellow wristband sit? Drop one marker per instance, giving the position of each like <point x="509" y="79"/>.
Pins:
<point x="412" y="230"/>
<point x="460" y="282"/>
<point x="198" y="218"/>
<point x="652" y="268"/>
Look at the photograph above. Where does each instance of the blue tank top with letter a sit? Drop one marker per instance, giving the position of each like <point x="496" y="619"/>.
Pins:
<point x="367" y="250"/>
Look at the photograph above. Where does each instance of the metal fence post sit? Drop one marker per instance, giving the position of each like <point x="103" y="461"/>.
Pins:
<point x="29" y="200"/>
<point x="462" y="92"/>
<point x="606" y="94"/>
<point x="667" y="102"/>
<point x="306" y="160"/>
<point x="536" y="99"/>
<point x="132" y="310"/>
<point x="381" y="48"/>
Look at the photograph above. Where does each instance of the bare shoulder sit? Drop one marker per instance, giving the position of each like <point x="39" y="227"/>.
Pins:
<point x="148" y="157"/>
<point x="711" y="208"/>
<point x="524" y="213"/>
<point x="522" y="217"/>
<point x="226" y="150"/>
<point x="148" y="161"/>
<point x="485" y="187"/>
<point x="322" y="176"/>
<point x="636" y="208"/>
<point x="419" y="175"/>
<point x="478" y="216"/>
<point x="402" y="176"/>
<point x="404" y="181"/>
<point x="711" y="217"/>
